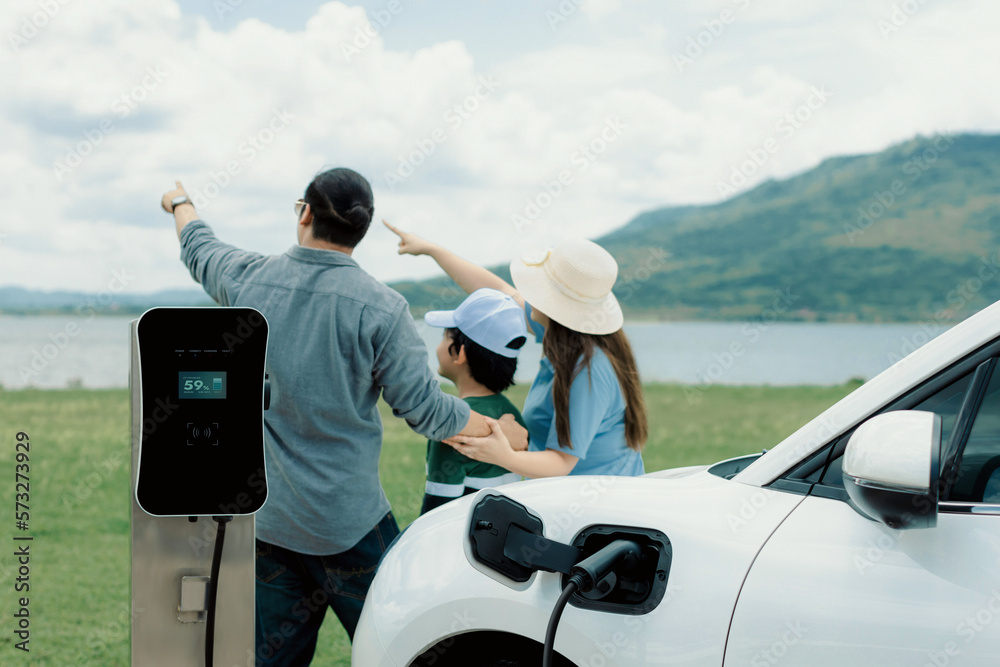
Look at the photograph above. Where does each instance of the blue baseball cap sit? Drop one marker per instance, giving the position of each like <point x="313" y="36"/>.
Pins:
<point x="488" y="317"/>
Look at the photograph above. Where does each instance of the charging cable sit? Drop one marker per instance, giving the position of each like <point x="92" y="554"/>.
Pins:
<point x="213" y="588"/>
<point x="584" y="576"/>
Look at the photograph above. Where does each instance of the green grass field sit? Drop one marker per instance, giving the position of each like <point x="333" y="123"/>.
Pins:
<point x="79" y="499"/>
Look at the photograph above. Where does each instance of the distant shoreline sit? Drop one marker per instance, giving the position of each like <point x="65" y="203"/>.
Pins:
<point x="122" y="311"/>
<point x="640" y="317"/>
<point x="647" y="386"/>
<point x="78" y="350"/>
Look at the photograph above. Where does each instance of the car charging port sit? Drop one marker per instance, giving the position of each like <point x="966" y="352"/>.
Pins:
<point x="635" y="590"/>
<point x="613" y="569"/>
<point x="506" y="537"/>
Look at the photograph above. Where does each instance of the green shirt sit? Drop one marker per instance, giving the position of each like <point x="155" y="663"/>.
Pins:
<point x="451" y="474"/>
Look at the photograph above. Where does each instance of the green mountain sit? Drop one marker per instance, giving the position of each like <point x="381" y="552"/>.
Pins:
<point x="908" y="234"/>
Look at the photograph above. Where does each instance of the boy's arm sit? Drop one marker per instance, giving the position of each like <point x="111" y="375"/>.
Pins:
<point x="516" y="434"/>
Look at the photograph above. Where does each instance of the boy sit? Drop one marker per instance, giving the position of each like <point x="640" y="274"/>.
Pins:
<point x="478" y="352"/>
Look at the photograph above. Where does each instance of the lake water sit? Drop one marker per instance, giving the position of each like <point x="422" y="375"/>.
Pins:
<point x="58" y="351"/>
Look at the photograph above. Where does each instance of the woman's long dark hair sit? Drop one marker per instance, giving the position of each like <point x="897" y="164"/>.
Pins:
<point x="342" y="206"/>
<point x="570" y="353"/>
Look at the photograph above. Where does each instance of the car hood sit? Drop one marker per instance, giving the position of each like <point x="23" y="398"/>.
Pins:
<point x="673" y="473"/>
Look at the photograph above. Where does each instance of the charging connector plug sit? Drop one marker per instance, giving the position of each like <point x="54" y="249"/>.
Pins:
<point x="620" y="556"/>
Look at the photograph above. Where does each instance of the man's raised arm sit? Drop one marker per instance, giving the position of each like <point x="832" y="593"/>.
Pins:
<point x="176" y="201"/>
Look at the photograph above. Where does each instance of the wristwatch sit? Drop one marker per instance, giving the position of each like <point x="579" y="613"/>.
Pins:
<point x="177" y="201"/>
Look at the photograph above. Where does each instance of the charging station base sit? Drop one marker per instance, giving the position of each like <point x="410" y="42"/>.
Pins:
<point x="171" y="560"/>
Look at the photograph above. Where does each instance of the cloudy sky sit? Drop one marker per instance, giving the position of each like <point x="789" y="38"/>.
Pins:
<point x="491" y="126"/>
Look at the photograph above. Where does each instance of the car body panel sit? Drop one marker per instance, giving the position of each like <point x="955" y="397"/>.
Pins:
<point x="833" y="588"/>
<point x="716" y="528"/>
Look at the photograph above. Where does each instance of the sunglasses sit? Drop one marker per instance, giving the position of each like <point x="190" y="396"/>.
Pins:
<point x="299" y="205"/>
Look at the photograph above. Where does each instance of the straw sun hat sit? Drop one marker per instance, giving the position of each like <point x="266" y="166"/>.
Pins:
<point x="571" y="284"/>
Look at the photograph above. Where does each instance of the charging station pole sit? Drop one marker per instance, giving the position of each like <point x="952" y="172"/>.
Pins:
<point x="197" y="388"/>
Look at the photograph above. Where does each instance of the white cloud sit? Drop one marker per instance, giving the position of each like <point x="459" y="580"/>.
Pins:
<point x="599" y="9"/>
<point x="129" y="96"/>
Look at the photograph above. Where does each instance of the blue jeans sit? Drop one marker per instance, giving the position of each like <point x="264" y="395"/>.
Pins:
<point x="294" y="590"/>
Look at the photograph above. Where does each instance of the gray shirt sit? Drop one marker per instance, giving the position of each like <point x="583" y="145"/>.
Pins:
<point x="337" y="339"/>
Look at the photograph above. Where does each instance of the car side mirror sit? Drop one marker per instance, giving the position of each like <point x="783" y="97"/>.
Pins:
<point x="891" y="468"/>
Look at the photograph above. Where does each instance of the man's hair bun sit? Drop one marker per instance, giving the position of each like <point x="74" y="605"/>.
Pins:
<point x="342" y="205"/>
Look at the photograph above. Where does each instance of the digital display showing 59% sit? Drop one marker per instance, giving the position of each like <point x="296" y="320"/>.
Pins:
<point x="201" y="384"/>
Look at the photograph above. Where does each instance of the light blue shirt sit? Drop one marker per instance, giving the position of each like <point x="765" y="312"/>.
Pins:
<point x="596" y="419"/>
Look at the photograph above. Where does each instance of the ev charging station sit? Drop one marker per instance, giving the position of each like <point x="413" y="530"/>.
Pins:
<point x="198" y="393"/>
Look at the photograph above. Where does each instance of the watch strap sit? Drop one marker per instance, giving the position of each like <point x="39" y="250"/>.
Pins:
<point x="174" y="203"/>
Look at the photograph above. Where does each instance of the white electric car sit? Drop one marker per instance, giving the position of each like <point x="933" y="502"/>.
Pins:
<point x="871" y="536"/>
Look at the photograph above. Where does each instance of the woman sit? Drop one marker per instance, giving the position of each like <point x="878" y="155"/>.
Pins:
<point x="585" y="411"/>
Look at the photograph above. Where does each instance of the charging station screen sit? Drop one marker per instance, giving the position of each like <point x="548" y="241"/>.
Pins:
<point x="201" y="384"/>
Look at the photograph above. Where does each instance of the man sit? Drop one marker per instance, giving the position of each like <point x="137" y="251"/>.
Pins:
<point x="338" y="339"/>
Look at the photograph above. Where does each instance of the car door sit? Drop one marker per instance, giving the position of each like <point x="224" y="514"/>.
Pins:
<point x="832" y="587"/>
